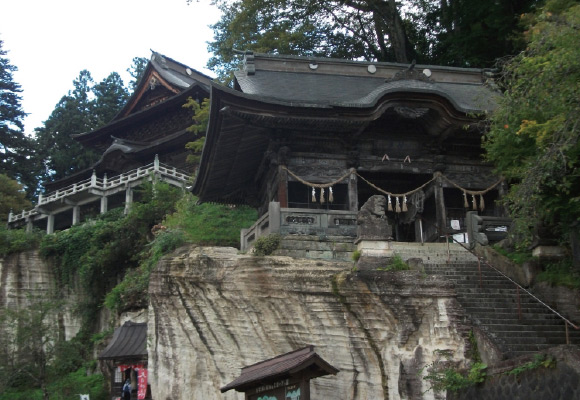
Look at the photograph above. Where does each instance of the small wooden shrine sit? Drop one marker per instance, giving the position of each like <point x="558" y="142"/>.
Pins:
<point x="285" y="377"/>
<point x="126" y="358"/>
<point x="308" y="140"/>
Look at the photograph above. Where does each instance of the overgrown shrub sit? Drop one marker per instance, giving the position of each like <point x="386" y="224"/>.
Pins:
<point x="266" y="245"/>
<point x="16" y="240"/>
<point x="395" y="264"/>
<point x="560" y="273"/>
<point x="132" y="291"/>
<point x="442" y="376"/>
<point x="210" y="224"/>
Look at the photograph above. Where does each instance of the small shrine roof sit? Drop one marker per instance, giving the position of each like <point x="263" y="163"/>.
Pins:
<point x="280" y="367"/>
<point x="129" y="342"/>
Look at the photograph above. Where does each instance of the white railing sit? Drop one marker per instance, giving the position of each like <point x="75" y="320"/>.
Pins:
<point x="104" y="184"/>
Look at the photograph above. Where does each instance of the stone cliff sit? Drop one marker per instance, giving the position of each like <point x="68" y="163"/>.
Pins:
<point x="26" y="275"/>
<point x="213" y="311"/>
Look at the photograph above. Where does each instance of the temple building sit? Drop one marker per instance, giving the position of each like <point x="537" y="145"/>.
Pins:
<point x="308" y="140"/>
<point x="147" y="137"/>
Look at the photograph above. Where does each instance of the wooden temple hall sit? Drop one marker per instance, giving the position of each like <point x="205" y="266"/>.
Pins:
<point x="308" y="140"/>
<point x="144" y="141"/>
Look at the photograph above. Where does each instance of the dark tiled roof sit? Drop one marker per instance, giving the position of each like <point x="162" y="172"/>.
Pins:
<point x="357" y="91"/>
<point x="129" y="341"/>
<point x="177" y="73"/>
<point x="280" y="367"/>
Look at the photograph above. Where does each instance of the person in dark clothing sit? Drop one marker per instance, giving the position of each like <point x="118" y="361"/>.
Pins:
<point x="127" y="390"/>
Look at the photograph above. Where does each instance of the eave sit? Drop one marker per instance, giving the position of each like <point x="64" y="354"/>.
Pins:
<point x="241" y="127"/>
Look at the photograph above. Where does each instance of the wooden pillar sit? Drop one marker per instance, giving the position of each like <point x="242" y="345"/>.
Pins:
<point x="76" y="215"/>
<point x="50" y="224"/>
<point x="29" y="225"/>
<point x="352" y="191"/>
<point x="104" y="204"/>
<point x="282" y="187"/>
<point x="128" y="199"/>
<point x="440" y="213"/>
<point x="419" y="230"/>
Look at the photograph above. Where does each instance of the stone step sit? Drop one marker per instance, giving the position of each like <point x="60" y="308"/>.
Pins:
<point x="491" y="300"/>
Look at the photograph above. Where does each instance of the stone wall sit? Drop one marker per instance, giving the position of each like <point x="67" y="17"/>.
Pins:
<point x="558" y="381"/>
<point x="213" y="311"/>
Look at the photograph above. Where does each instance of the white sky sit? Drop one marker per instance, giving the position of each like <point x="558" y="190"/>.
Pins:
<point x="51" y="41"/>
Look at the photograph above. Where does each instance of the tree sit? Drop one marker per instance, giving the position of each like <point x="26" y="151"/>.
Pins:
<point x="12" y="197"/>
<point x="29" y="342"/>
<point x="450" y="32"/>
<point x="14" y="145"/>
<point x="534" y="133"/>
<point x="136" y="71"/>
<point x="73" y="114"/>
<point x="110" y="96"/>
<point x="86" y="107"/>
<point x="200" y="119"/>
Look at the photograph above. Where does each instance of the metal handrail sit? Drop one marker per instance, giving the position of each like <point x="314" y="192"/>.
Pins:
<point x="518" y="286"/>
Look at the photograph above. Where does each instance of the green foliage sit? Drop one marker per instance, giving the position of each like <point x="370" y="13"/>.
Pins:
<point x="396" y="263"/>
<point x="210" y="224"/>
<point x="96" y="253"/>
<point x="539" y="361"/>
<point x="17" y="240"/>
<point x="533" y="139"/>
<point x="474" y="351"/>
<point x="517" y="257"/>
<point x="200" y="119"/>
<point x="204" y="224"/>
<point x="12" y="197"/>
<point x="66" y="387"/>
<point x="28" y="341"/>
<point x="356" y="255"/>
<point x="443" y="377"/>
<point x="136" y="70"/>
<point x="460" y="33"/>
<point x="561" y="273"/>
<point x="132" y="292"/>
<point x="265" y="245"/>
<point x="14" y="144"/>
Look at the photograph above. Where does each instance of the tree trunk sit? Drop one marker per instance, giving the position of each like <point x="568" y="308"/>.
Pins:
<point x="394" y="29"/>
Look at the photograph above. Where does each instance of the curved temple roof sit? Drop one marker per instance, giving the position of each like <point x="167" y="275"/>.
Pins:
<point x="275" y="94"/>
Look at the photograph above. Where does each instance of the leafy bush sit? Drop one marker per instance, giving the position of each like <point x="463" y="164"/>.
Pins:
<point x="517" y="257"/>
<point x="210" y="224"/>
<point x="266" y="245"/>
<point x="16" y="240"/>
<point x="66" y="387"/>
<point x="395" y="264"/>
<point x="539" y="361"/>
<point x="132" y="291"/>
<point x="560" y="273"/>
<point x="356" y="255"/>
<point x="444" y="378"/>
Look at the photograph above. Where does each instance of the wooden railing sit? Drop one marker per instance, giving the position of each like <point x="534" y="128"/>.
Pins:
<point x="164" y="172"/>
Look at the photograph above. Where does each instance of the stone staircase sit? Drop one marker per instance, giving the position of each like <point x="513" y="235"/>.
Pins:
<point x="491" y="301"/>
<point x="316" y="247"/>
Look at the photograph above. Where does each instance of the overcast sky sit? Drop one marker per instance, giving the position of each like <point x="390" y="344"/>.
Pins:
<point x="51" y="41"/>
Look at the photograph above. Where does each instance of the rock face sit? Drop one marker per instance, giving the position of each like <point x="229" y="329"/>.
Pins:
<point x="213" y="311"/>
<point x="27" y="274"/>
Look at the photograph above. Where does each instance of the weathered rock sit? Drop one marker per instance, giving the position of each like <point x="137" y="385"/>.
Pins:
<point x="213" y="311"/>
<point x="26" y="274"/>
<point x="372" y="222"/>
